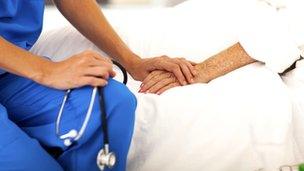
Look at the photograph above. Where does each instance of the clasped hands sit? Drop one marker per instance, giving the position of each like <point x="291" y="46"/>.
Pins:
<point x="175" y="72"/>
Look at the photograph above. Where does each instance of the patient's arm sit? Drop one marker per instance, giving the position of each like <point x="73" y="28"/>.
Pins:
<point x="220" y="64"/>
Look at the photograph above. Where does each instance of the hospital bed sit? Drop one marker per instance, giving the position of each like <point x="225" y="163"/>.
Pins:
<point x="244" y="121"/>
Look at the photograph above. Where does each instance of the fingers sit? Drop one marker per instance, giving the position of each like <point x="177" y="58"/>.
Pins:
<point x="156" y="80"/>
<point x="101" y="72"/>
<point x="112" y="73"/>
<point x="92" y="81"/>
<point x="150" y="76"/>
<point x="105" y="64"/>
<point x="176" y="70"/>
<point x="93" y="64"/>
<point x="182" y="69"/>
<point x="186" y="68"/>
<point x="101" y="61"/>
<point x="169" y="86"/>
<point x="96" y="55"/>
<point x="92" y="61"/>
<point x="162" y="84"/>
<point x="190" y="65"/>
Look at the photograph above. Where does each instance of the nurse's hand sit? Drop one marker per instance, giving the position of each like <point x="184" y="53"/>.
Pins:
<point x="86" y="68"/>
<point x="182" y="69"/>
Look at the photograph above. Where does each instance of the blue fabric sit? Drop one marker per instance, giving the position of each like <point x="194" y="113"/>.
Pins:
<point x="34" y="109"/>
<point x="21" y="21"/>
<point x="20" y="152"/>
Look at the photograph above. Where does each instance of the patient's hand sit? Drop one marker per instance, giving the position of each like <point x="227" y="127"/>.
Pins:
<point x="160" y="81"/>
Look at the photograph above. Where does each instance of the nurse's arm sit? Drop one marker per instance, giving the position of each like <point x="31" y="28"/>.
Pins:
<point x="86" y="68"/>
<point x="19" y="61"/>
<point x="88" y="18"/>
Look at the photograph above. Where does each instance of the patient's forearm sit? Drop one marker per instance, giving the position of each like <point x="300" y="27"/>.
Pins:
<point x="224" y="62"/>
<point x="87" y="17"/>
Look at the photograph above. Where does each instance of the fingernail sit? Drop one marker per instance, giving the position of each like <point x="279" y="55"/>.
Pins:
<point x="158" y="93"/>
<point x="192" y="80"/>
<point x="184" y="83"/>
<point x="147" y="91"/>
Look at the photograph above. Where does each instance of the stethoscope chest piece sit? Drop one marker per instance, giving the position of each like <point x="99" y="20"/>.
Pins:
<point x="105" y="158"/>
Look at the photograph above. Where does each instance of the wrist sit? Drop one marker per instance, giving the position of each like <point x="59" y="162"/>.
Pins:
<point x="131" y="63"/>
<point x="41" y="71"/>
<point x="202" y="76"/>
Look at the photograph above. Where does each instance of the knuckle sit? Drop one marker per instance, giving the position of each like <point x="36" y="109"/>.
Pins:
<point x="91" y="81"/>
<point x="108" y="60"/>
<point x="102" y="70"/>
<point x="106" y="75"/>
<point x="82" y="60"/>
<point x="176" y="68"/>
<point x="168" y="74"/>
<point x="87" y="52"/>
<point x="164" y="57"/>
<point x="103" y="83"/>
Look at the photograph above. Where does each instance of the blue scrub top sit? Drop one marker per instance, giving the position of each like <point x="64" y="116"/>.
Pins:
<point x="21" y="21"/>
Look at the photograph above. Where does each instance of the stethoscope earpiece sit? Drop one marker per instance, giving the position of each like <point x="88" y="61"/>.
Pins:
<point x="67" y="142"/>
<point x="68" y="137"/>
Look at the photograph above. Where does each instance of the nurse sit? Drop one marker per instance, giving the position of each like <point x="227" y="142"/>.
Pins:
<point x="32" y="89"/>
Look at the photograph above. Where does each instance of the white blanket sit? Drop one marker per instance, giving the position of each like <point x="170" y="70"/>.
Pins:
<point x="241" y="121"/>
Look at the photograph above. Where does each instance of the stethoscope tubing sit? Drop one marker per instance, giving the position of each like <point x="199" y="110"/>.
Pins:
<point x="89" y="110"/>
<point x="87" y="116"/>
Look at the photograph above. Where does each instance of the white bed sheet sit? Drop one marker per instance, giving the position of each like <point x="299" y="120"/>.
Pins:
<point x="242" y="121"/>
<point x="295" y="82"/>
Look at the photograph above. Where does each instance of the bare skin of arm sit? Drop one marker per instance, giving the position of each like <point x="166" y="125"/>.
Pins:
<point x="218" y="65"/>
<point x="87" y="68"/>
<point x="88" y="18"/>
<point x="29" y="65"/>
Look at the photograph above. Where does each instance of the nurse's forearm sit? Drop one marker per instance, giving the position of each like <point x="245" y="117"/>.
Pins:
<point x="19" y="61"/>
<point x="87" y="17"/>
<point x="222" y="63"/>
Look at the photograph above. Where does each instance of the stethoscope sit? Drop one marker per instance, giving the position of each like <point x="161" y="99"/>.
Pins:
<point x="105" y="158"/>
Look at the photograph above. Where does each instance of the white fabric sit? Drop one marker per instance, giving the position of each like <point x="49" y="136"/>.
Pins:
<point x="241" y="121"/>
<point x="265" y="32"/>
<point x="295" y="82"/>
